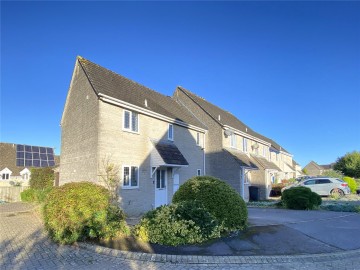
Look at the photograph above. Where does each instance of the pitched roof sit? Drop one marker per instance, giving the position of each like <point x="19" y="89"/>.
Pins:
<point x="264" y="163"/>
<point x="8" y="159"/>
<point x="170" y="154"/>
<point x="241" y="158"/>
<point x="313" y="164"/>
<point x="117" y="86"/>
<point x="327" y="166"/>
<point x="223" y="117"/>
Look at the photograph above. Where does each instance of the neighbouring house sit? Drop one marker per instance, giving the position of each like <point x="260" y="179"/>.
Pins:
<point x="298" y="171"/>
<point x="312" y="168"/>
<point x="153" y="142"/>
<point x="17" y="160"/>
<point x="235" y="152"/>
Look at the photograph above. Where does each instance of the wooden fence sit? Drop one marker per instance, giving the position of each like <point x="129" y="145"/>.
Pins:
<point x="11" y="194"/>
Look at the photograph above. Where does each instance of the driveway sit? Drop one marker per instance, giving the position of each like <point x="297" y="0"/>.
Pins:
<point x="24" y="245"/>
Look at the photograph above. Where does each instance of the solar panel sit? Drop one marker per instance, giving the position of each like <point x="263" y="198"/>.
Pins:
<point x="34" y="156"/>
<point x="20" y="162"/>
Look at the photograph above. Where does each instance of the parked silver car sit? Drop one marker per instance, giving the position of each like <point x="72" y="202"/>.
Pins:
<point x="324" y="186"/>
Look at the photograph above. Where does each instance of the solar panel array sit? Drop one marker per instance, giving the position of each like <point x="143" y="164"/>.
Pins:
<point x="34" y="156"/>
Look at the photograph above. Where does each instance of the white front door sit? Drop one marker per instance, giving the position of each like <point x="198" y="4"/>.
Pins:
<point x="176" y="182"/>
<point x="160" y="188"/>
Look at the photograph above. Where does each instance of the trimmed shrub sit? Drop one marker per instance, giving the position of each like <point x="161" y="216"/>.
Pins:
<point x="221" y="200"/>
<point x="178" y="224"/>
<point x="300" y="198"/>
<point x="77" y="211"/>
<point x="42" y="178"/>
<point x="351" y="183"/>
<point x="34" y="195"/>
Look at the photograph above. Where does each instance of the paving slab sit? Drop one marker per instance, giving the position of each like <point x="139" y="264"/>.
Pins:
<point x="25" y="245"/>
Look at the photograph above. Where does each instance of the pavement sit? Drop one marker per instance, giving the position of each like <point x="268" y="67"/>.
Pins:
<point x="307" y="240"/>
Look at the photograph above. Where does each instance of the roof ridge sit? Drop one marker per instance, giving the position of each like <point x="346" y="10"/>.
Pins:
<point x="122" y="76"/>
<point x="207" y="101"/>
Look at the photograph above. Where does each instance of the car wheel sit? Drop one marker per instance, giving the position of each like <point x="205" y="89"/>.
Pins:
<point x="337" y="192"/>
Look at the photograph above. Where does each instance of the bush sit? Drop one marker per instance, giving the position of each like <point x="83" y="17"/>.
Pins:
<point x="222" y="201"/>
<point x="28" y="195"/>
<point x="178" y="224"/>
<point x="300" y="198"/>
<point x="333" y="174"/>
<point x="351" y="183"/>
<point x="42" y="178"/>
<point x="77" y="211"/>
<point x="34" y="195"/>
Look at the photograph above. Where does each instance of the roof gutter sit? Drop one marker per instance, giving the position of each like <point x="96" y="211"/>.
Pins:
<point x="226" y="127"/>
<point x="133" y="107"/>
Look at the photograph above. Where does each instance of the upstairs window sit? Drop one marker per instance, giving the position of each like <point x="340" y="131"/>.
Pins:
<point x="5" y="176"/>
<point x="171" y="132"/>
<point x="233" y="140"/>
<point x="197" y="138"/>
<point x="245" y="145"/>
<point x="131" y="121"/>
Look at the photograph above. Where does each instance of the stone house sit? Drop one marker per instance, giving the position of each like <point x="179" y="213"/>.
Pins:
<point x="314" y="169"/>
<point x="17" y="160"/>
<point x="153" y="142"/>
<point x="235" y="152"/>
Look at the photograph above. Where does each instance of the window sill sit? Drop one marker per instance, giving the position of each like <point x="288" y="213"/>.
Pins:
<point x="137" y="187"/>
<point x="130" y="131"/>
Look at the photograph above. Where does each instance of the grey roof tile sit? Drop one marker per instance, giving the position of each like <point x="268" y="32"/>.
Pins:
<point x="117" y="86"/>
<point x="226" y="118"/>
<point x="264" y="163"/>
<point x="241" y="158"/>
<point x="170" y="154"/>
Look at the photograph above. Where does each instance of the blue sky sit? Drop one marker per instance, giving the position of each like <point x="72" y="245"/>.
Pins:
<point x="289" y="70"/>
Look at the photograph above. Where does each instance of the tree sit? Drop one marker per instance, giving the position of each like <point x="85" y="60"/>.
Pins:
<point x="349" y="164"/>
<point x="109" y="174"/>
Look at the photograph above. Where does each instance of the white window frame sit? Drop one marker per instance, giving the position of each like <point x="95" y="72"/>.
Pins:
<point x="233" y="140"/>
<point x="198" y="172"/>
<point x="198" y="138"/>
<point x="245" y="149"/>
<point x="131" y="127"/>
<point x="129" y="186"/>
<point x="6" y="173"/>
<point x="171" y="132"/>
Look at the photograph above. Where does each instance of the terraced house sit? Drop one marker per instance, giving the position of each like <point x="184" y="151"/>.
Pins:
<point x="155" y="142"/>
<point x="235" y="152"/>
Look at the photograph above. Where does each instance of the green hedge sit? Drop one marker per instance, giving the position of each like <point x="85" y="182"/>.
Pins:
<point x="34" y="195"/>
<point x="221" y="200"/>
<point x="300" y="198"/>
<point x="77" y="211"/>
<point x="178" y="224"/>
<point x="42" y="178"/>
<point x="351" y="183"/>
